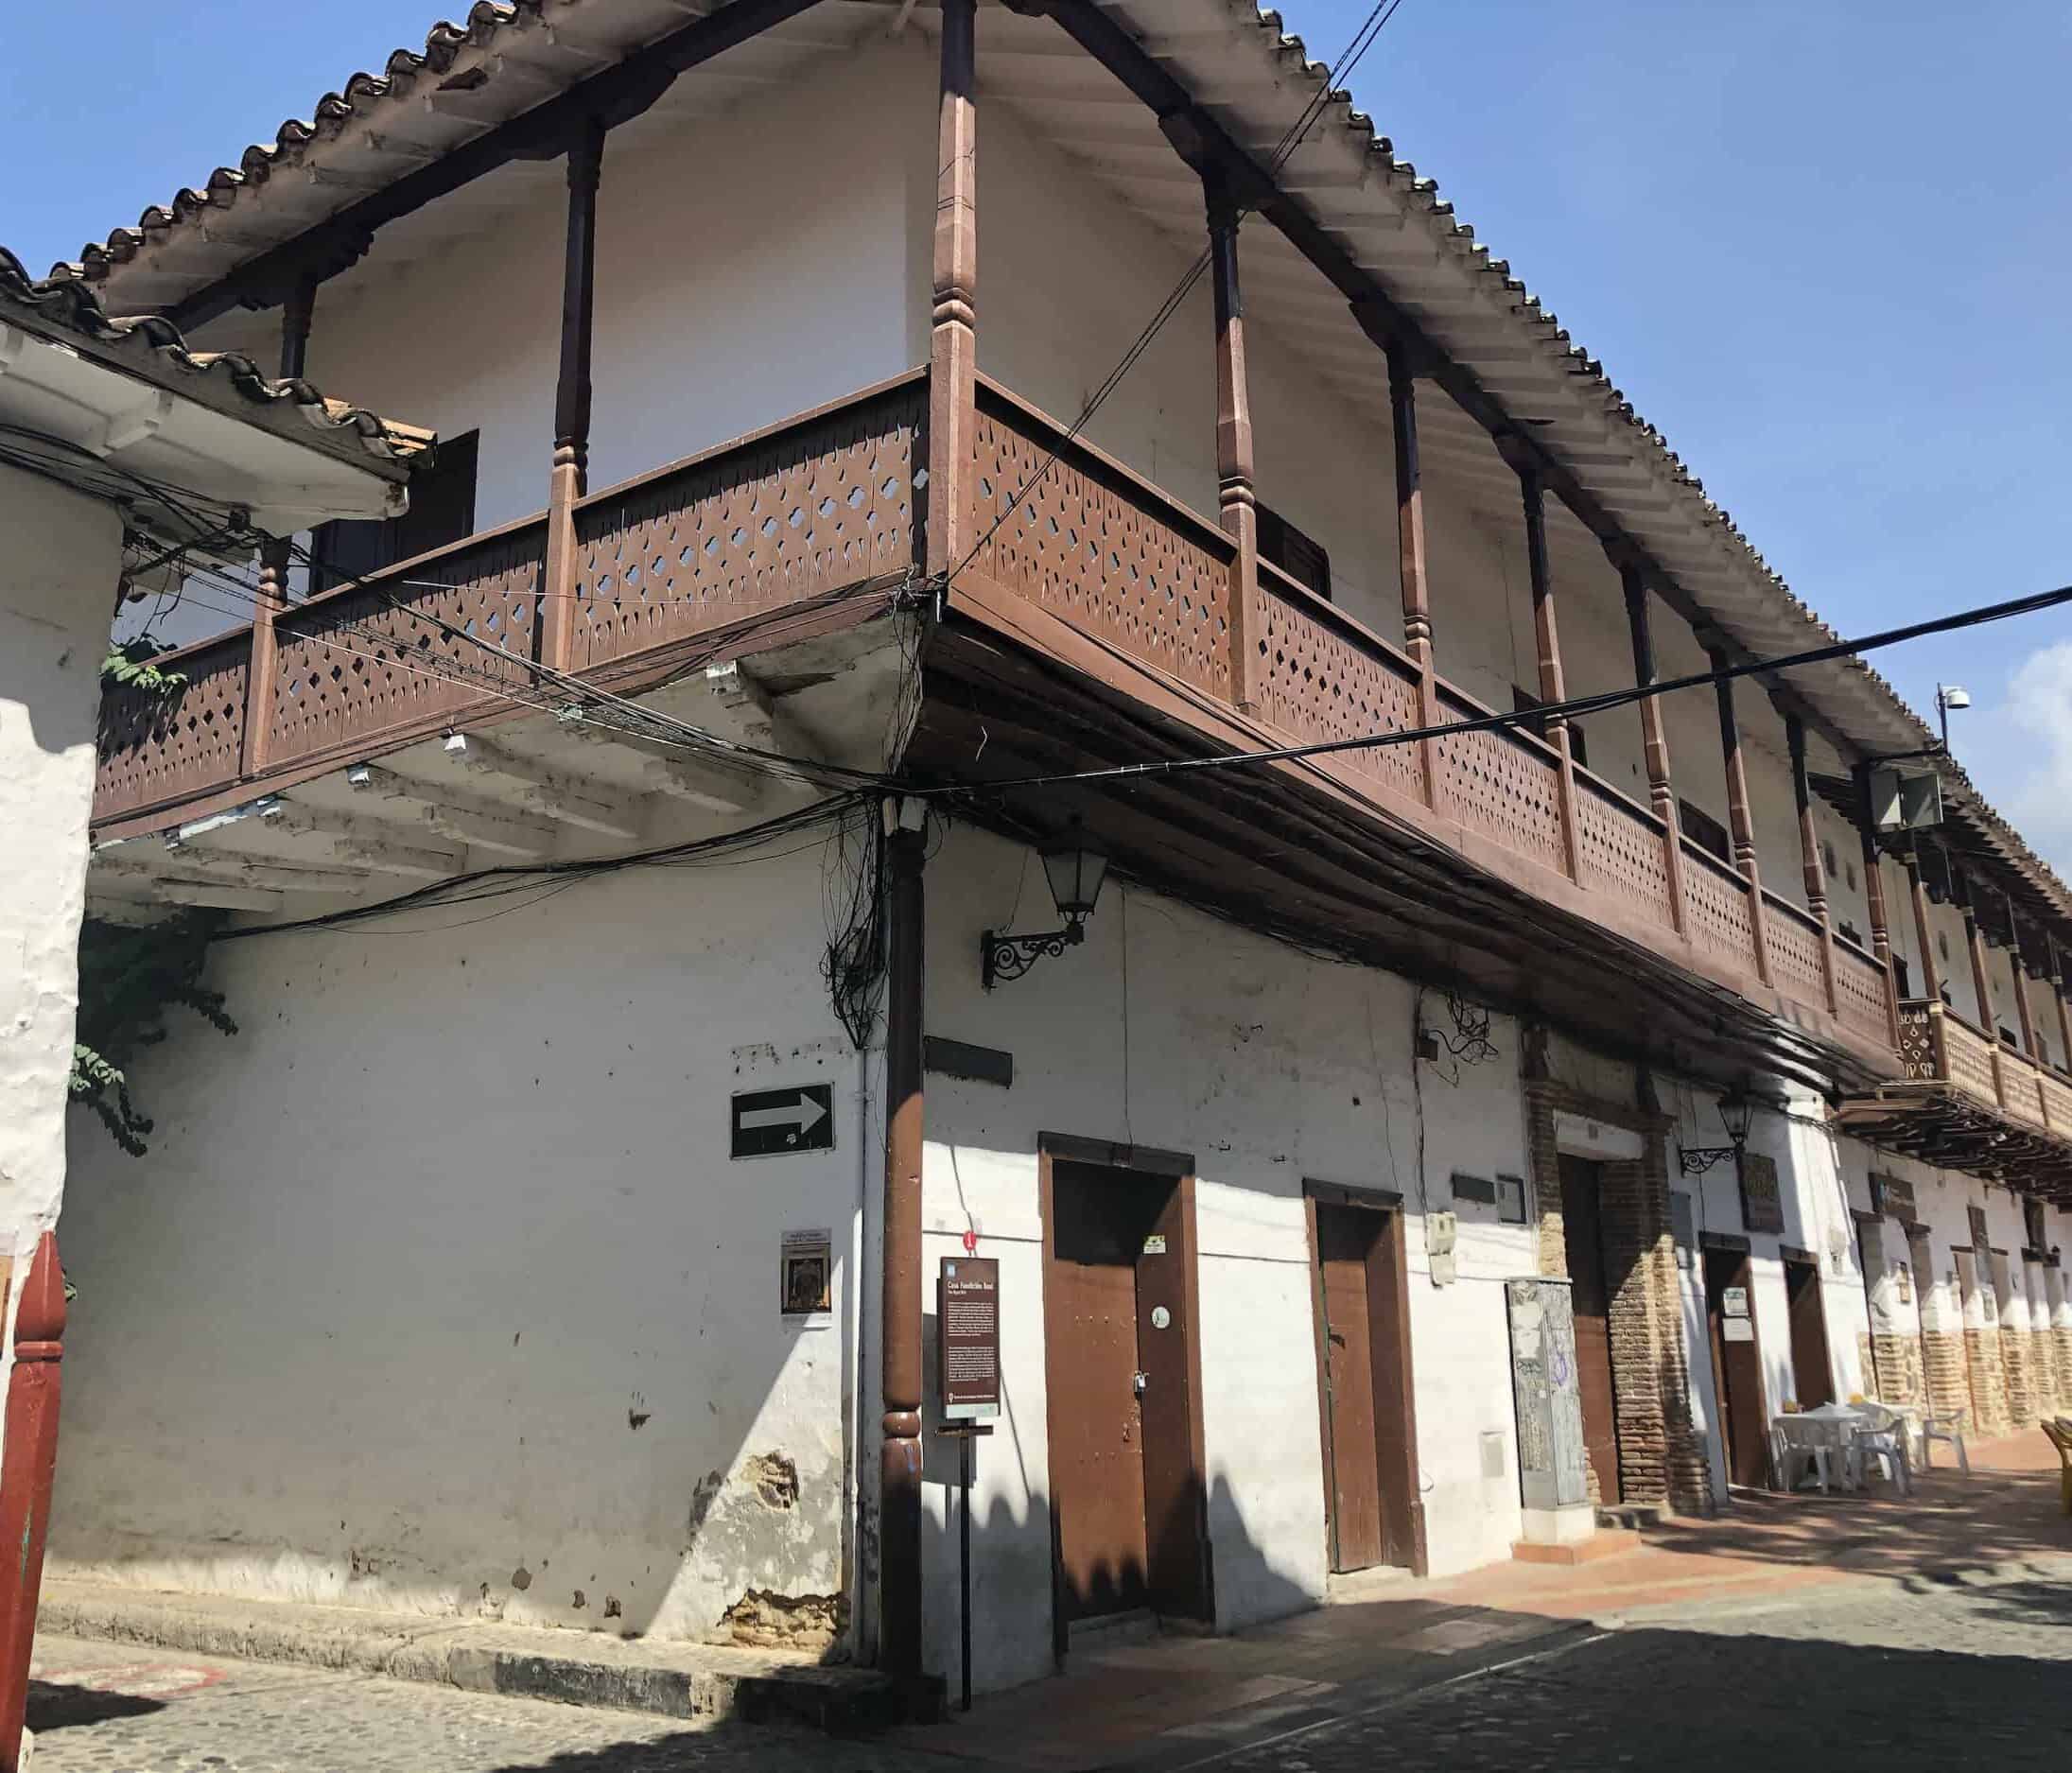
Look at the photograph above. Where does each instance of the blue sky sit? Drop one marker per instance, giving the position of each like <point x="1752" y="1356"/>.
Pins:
<point x="1823" y="247"/>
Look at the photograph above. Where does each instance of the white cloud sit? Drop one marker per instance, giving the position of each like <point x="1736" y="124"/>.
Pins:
<point x="2033" y="761"/>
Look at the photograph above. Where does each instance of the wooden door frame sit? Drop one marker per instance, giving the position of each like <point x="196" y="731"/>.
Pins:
<point x="1727" y="1244"/>
<point x="1177" y="1168"/>
<point x="1393" y="1247"/>
<point x="1790" y="1255"/>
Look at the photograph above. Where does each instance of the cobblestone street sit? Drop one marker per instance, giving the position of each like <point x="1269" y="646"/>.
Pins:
<point x="119" y="1708"/>
<point x="1865" y="1674"/>
<point x="1849" y="1676"/>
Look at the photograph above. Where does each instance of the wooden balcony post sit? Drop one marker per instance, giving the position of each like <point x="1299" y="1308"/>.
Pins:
<point x="570" y="476"/>
<point x="1809" y="852"/>
<point x="1740" y="821"/>
<point x="1661" y="793"/>
<point x="953" y="339"/>
<point x="1873" y="893"/>
<point x="1917" y="893"/>
<point x="1533" y="497"/>
<point x="27" y="1473"/>
<point x="1982" y="978"/>
<point x="271" y="597"/>
<point x="900" y="1380"/>
<point x="2025" y="1012"/>
<point x="1237" y="499"/>
<point x="1416" y="605"/>
<point x="2057" y="991"/>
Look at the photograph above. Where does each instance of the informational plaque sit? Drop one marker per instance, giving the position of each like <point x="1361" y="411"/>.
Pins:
<point x="967" y="1337"/>
<point x="1761" y="1206"/>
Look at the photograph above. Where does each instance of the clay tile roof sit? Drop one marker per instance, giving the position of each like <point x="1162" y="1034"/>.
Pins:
<point x="1757" y="606"/>
<point x="152" y="349"/>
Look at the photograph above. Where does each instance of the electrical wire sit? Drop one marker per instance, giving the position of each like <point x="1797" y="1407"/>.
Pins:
<point x="520" y="877"/>
<point x="1574" y="706"/>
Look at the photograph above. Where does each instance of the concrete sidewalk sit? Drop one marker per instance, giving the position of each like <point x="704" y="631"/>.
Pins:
<point x="1178" y="1701"/>
<point x="674" y="1679"/>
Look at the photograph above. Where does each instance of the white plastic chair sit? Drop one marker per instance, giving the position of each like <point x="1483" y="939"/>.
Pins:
<point x="1948" y="1429"/>
<point x="1797" y="1447"/>
<point x="1883" y="1437"/>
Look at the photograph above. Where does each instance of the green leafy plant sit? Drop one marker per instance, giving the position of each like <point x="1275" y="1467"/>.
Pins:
<point x="129" y="976"/>
<point x="128" y="666"/>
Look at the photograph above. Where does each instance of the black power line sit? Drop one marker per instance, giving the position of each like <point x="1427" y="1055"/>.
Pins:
<point x="2032" y="604"/>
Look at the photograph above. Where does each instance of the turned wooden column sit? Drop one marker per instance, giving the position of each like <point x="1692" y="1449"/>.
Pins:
<point x="1661" y="793"/>
<point x="1417" y="604"/>
<point x="1532" y="496"/>
<point x="1237" y="499"/>
<point x="1917" y="894"/>
<point x="1741" y="824"/>
<point x="28" y="1470"/>
<point x="1809" y="852"/>
<point x="953" y="339"/>
<point x="1981" y="976"/>
<point x="2058" y="993"/>
<point x="1873" y="893"/>
<point x="899" y="1455"/>
<point x="271" y="597"/>
<point x="570" y="476"/>
<point x="2025" y="1012"/>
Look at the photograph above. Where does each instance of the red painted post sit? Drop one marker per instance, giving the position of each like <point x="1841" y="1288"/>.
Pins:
<point x="27" y="1467"/>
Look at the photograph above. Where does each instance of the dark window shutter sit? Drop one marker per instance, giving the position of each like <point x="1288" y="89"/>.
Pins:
<point x="1303" y="558"/>
<point x="1524" y="702"/>
<point x="1704" y="831"/>
<point x="442" y="511"/>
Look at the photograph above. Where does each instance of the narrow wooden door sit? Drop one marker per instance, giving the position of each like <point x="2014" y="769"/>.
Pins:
<point x="1810" y="1368"/>
<point x="1737" y="1371"/>
<point x="1344" y="1237"/>
<point x="1099" y="1220"/>
<point x="1582" y="1233"/>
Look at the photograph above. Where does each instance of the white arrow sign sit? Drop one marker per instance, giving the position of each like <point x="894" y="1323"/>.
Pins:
<point x="802" y="1117"/>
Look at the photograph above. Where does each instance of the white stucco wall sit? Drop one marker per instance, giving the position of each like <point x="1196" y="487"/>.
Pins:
<point x="60" y="555"/>
<point x="1168" y="1030"/>
<point x="438" y="1272"/>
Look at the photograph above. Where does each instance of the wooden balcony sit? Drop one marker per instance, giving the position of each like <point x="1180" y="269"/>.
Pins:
<point x="1094" y="564"/>
<point x="1972" y="1102"/>
<point x="772" y="522"/>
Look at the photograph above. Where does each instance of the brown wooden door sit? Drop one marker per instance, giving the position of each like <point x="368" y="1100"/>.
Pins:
<point x="1099" y="1219"/>
<point x="1590" y="1295"/>
<point x="1344" y="1237"/>
<point x="1737" y="1372"/>
<point x="1810" y="1370"/>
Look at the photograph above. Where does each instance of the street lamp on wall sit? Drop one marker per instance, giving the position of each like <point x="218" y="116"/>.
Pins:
<point x="1737" y="1114"/>
<point x="1076" y="873"/>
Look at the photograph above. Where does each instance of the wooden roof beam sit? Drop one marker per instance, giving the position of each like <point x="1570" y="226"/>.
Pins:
<point x="544" y="792"/>
<point x="621" y="91"/>
<point x="478" y="824"/>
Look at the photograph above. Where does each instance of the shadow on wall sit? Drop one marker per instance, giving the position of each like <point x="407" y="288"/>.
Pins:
<point x="1025" y="1598"/>
<point x="463" y="1462"/>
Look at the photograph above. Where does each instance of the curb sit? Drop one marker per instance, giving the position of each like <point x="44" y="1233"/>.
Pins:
<point x="840" y="1701"/>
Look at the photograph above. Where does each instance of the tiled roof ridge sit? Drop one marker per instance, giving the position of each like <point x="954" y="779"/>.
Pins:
<point x="489" y="19"/>
<point x="70" y="306"/>
<point x="1289" y="47"/>
<point x="486" y="20"/>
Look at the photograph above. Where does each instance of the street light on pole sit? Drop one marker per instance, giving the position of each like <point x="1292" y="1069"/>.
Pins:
<point x="1948" y="696"/>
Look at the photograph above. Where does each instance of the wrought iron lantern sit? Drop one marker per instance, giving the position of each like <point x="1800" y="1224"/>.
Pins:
<point x="1737" y="1114"/>
<point x="1076" y="873"/>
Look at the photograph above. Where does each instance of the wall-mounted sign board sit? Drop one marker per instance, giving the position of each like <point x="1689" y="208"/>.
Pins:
<point x="1733" y="1301"/>
<point x="776" y="1122"/>
<point x="1738" y="1328"/>
<point x="967" y="1337"/>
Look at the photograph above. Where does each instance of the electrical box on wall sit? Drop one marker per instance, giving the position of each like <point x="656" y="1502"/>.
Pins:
<point x="1441" y="1232"/>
